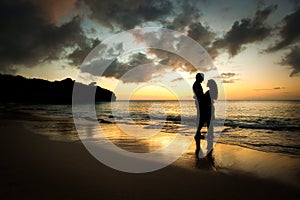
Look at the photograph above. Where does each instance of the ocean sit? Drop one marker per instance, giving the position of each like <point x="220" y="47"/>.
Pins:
<point x="269" y="126"/>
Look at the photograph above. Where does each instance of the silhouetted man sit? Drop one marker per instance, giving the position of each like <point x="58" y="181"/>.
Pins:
<point x="198" y="96"/>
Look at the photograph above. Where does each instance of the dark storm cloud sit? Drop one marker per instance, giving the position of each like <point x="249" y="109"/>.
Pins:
<point x="204" y="36"/>
<point x="54" y="10"/>
<point x="246" y="31"/>
<point x="173" y="61"/>
<point x="189" y="19"/>
<point x="290" y="31"/>
<point x="78" y="55"/>
<point x="32" y="32"/>
<point x="139" y="73"/>
<point x="262" y="15"/>
<point x="295" y="3"/>
<point x="174" y="50"/>
<point x="189" y="15"/>
<point x="157" y="65"/>
<point x="201" y="34"/>
<point x="126" y="14"/>
<point x="290" y="38"/>
<point x="293" y="59"/>
<point x="27" y="38"/>
<point x="117" y="69"/>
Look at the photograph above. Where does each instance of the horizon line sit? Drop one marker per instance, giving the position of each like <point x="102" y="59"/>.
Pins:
<point x="218" y="100"/>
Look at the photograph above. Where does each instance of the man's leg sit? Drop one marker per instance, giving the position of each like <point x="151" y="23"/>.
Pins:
<point x="198" y="137"/>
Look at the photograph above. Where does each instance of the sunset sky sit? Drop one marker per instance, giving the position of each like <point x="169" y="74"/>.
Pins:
<point x="255" y="44"/>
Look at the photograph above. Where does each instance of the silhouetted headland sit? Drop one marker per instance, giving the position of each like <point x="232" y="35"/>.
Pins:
<point x="17" y="89"/>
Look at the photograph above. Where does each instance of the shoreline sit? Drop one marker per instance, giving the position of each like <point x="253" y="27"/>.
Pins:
<point x="232" y="159"/>
<point x="35" y="167"/>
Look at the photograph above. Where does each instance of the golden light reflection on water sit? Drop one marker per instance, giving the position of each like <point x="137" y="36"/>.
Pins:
<point x="235" y="159"/>
<point x="133" y="144"/>
<point x="266" y="165"/>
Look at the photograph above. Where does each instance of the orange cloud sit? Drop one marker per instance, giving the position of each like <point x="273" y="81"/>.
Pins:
<point x="55" y="10"/>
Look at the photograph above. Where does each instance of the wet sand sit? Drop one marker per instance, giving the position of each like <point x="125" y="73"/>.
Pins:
<point x="34" y="167"/>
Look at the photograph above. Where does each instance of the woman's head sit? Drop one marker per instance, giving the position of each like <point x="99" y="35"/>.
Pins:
<point x="213" y="89"/>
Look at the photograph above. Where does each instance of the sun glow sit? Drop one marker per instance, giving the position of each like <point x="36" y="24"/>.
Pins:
<point x="153" y="92"/>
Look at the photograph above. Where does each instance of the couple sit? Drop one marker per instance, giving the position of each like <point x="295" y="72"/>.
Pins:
<point x="205" y="106"/>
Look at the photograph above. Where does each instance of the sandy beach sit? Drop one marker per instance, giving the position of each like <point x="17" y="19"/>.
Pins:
<point x="35" y="167"/>
<point x="149" y="99"/>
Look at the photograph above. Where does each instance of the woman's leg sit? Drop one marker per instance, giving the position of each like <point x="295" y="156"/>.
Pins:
<point x="200" y="124"/>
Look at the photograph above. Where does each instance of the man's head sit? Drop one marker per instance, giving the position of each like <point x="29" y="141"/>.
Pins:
<point x="199" y="77"/>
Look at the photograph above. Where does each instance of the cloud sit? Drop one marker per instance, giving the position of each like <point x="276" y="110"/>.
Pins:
<point x="289" y="32"/>
<point x="78" y="55"/>
<point x="275" y="88"/>
<point x="54" y="10"/>
<point x="278" y="88"/>
<point x="189" y="21"/>
<point x="292" y="59"/>
<point x="189" y="14"/>
<point x="35" y="31"/>
<point x="295" y="3"/>
<point x="177" y="79"/>
<point x="173" y="61"/>
<point x="138" y="69"/>
<point x="201" y="34"/>
<point x="290" y="39"/>
<point x="29" y="38"/>
<point x="246" y="31"/>
<point x="262" y="15"/>
<point x="118" y="69"/>
<point x="126" y="14"/>
<point x="175" y="46"/>
<point x="229" y="81"/>
<point x="154" y="62"/>
<point x="229" y="77"/>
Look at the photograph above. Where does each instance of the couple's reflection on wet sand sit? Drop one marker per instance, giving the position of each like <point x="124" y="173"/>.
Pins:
<point x="207" y="161"/>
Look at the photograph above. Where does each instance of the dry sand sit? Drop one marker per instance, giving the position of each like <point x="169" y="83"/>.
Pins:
<point x="34" y="167"/>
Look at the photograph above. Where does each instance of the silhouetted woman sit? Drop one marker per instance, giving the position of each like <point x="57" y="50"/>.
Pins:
<point x="211" y="96"/>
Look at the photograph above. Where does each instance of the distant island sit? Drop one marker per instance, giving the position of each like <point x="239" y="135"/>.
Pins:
<point x="17" y="89"/>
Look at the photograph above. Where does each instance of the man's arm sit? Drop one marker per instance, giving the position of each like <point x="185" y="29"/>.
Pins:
<point x="198" y="91"/>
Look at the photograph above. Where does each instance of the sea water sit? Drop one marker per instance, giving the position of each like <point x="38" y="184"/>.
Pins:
<point x="270" y="126"/>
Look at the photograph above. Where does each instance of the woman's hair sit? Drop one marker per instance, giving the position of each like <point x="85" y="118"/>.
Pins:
<point x="213" y="89"/>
